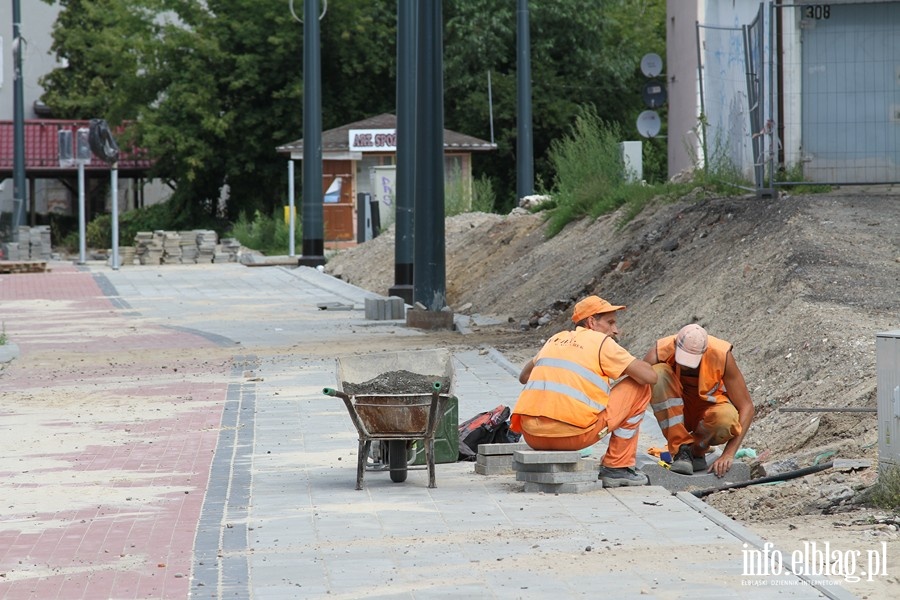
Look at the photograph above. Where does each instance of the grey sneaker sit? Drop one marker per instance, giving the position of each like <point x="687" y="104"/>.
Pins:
<point x="699" y="464"/>
<point x="683" y="462"/>
<point x="612" y="478"/>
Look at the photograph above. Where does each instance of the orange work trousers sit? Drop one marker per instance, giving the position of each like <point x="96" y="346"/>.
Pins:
<point x="623" y="415"/>
<point x="701" y="422"/>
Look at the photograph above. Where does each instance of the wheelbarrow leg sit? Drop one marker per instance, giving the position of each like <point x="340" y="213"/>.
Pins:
<point x="429" y="458"/>
<point x="364" y="446"/>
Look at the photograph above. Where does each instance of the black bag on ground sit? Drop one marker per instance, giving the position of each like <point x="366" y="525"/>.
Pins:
<point x="489" y="427"/>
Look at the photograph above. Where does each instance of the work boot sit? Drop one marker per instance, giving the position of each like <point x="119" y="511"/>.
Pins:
<point x="699" y="464"/>
<point x="684" y="461"/>
<point x="617" y="477"/>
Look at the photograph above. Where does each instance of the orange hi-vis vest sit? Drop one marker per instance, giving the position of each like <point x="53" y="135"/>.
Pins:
<point x="566" y="383"/>
<point x="712" y="367"/>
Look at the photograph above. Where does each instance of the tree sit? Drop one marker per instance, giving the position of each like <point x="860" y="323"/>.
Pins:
<point x="210" y="88"/>
<point x="583" y="52"/>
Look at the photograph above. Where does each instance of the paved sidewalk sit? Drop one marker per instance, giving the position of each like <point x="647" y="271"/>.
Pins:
<point x="243" y="483"/>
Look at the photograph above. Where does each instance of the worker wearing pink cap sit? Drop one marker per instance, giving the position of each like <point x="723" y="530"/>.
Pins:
<point x="583" y="384"/>
<point x="700" y="399"/>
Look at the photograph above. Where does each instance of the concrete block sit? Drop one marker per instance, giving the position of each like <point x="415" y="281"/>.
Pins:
<point x="676" y="482"/>
<point x="528" y="457"/>
<point x="552" y="467"/>
<point x="371" y="309"/>
<point x="396" y="307"/>
<point x="563" y="488"/>
<point x="495" y="460"/>
<point x="493" y="470"/>
<point x="558" y="477"/>
<point x="846" y="464"/>
<point x="429" y="319"/>
<point x="384" y="309"/>
<point x="490" y="449"/>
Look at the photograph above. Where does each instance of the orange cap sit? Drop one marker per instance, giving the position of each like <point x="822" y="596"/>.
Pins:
<point x="590" y="306"/>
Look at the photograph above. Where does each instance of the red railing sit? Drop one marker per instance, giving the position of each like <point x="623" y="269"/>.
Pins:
<point x="42" y="147"/>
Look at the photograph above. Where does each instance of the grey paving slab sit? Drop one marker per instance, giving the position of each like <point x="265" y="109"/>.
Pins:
<point x="282" y="518"/>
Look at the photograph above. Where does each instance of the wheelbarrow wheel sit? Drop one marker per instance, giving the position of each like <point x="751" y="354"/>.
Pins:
<point x="397" y="460"/>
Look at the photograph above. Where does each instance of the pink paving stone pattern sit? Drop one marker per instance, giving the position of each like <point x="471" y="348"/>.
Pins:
<point x="139" y="548"/>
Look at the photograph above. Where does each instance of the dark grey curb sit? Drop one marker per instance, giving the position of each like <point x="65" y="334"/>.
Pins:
<point x="501" y="360"/>
<point x="743" y="533"/>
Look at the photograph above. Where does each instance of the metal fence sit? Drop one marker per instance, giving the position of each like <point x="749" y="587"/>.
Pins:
<point x="804" y="93"/>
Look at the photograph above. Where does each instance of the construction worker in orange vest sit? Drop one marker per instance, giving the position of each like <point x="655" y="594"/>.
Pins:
<point x="580" y="386"/>
<point x="700" y="399"/>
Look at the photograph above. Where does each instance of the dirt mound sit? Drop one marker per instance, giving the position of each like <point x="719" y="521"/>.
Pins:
<point x="799" y="284"/>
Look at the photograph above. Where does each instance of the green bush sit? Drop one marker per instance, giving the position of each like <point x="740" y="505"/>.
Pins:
<point x="590" y="175"/>
<point x="484" y="197"/>
<point x="269" y="235"/>
<point x="158" y="217"/>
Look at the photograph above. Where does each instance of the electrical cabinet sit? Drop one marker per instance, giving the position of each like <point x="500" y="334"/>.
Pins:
<point x="887" y="366"/>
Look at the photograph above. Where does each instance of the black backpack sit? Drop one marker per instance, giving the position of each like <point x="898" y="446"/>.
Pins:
<point x="489" y="427"/>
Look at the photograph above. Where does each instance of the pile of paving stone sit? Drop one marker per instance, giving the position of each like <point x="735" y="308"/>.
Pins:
<point x="184" y="247"/>
<point x="33" y="244"/>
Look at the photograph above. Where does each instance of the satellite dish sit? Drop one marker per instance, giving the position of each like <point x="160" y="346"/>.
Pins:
<point x="648" y="123"/>
<point x="651" y="65"/>
<point x="654" y="93"/>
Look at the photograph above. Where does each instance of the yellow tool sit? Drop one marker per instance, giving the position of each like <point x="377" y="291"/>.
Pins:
<point x="663" y="464"/>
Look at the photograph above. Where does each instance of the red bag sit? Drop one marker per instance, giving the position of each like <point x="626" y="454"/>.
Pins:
<point x="489" y="427"/>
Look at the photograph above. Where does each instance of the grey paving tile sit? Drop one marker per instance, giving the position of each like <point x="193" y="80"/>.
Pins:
<point x="287" y="478"/>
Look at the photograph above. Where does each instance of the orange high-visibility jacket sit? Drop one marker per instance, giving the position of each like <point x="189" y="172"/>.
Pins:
<point x="712" y="367"/>
<point x="567" y="383"/>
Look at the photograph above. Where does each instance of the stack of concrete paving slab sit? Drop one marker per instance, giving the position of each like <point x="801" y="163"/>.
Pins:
<point x="206" y="245"/>
<point x="126" y="255"/>
<point x="554" y="471"/>
<point x="148" y="247"/>
<point x="189" y="249"/>
<point x="10" y="251"/>
<point x="34" y="243"/>
<point x="227" y="251"/>
<point x="172" y="247"/>
<point x="497" y="459"/>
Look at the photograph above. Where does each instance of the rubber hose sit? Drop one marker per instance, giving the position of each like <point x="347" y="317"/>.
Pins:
<point x="771" y="478"/>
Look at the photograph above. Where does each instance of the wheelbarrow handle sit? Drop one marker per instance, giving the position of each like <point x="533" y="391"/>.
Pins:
<point x="336" y="393"/>
<point x="436" y="386"/>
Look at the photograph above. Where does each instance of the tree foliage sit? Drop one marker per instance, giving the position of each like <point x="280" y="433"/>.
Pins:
<point x="583" y="53"/>
<point x="210" y="88"/>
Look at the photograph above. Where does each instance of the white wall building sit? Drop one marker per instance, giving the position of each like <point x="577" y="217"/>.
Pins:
<point x="825" y="79"/>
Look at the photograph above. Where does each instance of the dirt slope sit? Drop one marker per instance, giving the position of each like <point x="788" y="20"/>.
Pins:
<point x="799" y="284"/>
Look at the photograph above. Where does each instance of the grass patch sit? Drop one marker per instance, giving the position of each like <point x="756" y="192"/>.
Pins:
<point x="484" y="198"/>
<point x="794" y="174"/>
<point x="269" y="235"/>
<point x="591" y="179"/>
<point x="589" y="170"/>
<point x="3" y="339"/>
<point x="886" y="492"/>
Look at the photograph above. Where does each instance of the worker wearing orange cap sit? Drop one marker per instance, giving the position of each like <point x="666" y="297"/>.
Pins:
<point x="583" y="384"/>
<point x="700" y="399"/>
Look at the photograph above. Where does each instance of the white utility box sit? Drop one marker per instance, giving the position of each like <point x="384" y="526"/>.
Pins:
<point x="633" y="160"/>
<point x="887" y="368"/>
